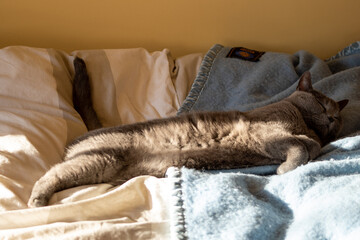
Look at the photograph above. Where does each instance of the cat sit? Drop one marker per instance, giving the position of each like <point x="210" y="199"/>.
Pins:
<point x="289" y="132"/>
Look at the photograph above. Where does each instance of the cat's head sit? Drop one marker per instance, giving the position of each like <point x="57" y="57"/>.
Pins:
<point x="321" y="113"/>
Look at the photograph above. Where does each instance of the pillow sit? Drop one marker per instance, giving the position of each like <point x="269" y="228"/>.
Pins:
<point x="36" y="118"/>
<point x="131" y="85"/>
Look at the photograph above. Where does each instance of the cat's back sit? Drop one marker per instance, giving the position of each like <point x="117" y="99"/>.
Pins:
<point x="197" y="130"/>
<point x="194" y="130"/>
<point x="242" y="130"/>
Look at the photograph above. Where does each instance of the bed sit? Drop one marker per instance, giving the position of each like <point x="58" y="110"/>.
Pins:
<point x="37" y="119"/>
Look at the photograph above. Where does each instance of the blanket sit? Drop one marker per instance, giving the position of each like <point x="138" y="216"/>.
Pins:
<point x="315" y="201"/>
<point x="226" y="83"/>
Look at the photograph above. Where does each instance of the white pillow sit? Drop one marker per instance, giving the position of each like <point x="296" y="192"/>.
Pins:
<point x="36" y="120"/>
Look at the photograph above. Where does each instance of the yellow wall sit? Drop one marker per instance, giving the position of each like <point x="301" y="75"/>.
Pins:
<point x="184" y="26"/>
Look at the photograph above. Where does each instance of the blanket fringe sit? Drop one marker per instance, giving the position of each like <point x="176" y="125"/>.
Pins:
<point x="200" y="80"/>
<point x="353" y="48"/>
<point x="177" y="215"/>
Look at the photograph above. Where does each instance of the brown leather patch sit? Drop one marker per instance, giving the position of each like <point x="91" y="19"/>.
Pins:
<point x="245" y="54"/>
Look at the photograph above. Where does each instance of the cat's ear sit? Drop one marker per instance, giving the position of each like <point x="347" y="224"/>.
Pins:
<point x="342" y="103"/>
<point x="305" y="82"/>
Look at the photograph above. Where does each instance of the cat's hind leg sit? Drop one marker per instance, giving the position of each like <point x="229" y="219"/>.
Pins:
<point x="81" y="170"/>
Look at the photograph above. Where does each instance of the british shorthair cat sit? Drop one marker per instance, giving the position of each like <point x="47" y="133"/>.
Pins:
<point x="289" y="133"/>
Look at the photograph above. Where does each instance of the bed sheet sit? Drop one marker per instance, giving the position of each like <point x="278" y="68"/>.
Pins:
<point x="37" y="120"/>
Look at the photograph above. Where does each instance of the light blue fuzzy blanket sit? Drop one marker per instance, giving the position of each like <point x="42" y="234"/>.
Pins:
<point x="320" y="200"/>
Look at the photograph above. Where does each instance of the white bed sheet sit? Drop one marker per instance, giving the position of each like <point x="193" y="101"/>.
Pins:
<point x="37" y="120"/>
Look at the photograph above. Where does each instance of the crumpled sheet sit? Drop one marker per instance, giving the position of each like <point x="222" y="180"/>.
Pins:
<point x="37" y="120"/>
<point x="134" y="210"/>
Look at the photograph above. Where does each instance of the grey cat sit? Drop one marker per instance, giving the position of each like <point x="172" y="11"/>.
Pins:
<point x="289" y="132"/>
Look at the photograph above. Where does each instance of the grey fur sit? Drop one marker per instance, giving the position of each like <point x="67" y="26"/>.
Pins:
<point x="290" y="133"/>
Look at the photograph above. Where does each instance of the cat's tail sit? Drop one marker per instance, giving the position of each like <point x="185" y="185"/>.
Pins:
<point x="82" y="96"/>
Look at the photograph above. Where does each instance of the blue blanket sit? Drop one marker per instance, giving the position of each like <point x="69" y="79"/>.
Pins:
<point x="225" y="83"/>
<point x="319" y="200"/>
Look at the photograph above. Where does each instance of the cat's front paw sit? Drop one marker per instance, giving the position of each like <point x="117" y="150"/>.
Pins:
<point x="285" y="167"/>
<point x="280" y="171"/>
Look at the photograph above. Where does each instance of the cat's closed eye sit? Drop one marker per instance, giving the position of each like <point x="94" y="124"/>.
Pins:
<point x="322" y="105"/>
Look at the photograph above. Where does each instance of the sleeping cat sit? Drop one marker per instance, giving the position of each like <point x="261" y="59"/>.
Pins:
<point x="289" y="132"/>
